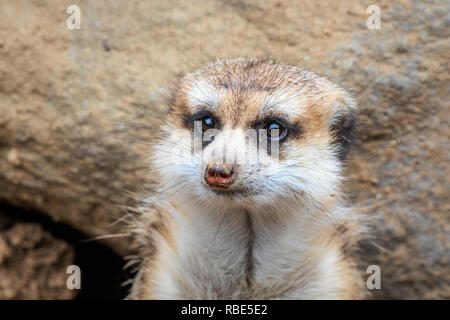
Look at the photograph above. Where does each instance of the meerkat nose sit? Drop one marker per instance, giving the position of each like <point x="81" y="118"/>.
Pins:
<point x="219" y="175"/>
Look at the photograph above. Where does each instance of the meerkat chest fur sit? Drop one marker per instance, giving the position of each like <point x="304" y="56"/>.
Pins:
<point x="232" y="255"/>
<point x="247" y="175"/>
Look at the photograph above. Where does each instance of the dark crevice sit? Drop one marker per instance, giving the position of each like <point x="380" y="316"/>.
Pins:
<point x="102" y="269"/>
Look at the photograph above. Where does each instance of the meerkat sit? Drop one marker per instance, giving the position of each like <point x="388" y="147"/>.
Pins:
<point x="278" y="228"/>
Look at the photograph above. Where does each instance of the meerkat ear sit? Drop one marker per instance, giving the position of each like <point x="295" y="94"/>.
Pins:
<point x="343" y="128"/>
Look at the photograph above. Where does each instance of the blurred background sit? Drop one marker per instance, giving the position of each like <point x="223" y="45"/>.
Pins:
<point x="79" y="109"/>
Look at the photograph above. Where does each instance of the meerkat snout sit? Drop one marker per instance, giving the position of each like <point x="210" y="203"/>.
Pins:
<point x="220" y="175"/>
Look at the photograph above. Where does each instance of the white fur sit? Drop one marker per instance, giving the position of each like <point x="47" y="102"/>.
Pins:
<point x="284" y="101"/>
<point x="204" y="94"/>
<point x="212" y="257"/>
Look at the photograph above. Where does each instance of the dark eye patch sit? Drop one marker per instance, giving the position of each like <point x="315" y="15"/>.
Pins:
<point x="286" y="130"/>
<point x="209" y="119"/>
<point x="275" y="122"/>
<point x="343" y="129"/>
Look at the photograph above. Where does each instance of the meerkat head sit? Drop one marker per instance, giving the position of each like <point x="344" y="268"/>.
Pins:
<point x="254" y="133"/>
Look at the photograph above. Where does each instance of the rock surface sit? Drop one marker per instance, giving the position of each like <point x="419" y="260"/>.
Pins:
<point x="32" y="262"/>
<point x="79" y="108"/>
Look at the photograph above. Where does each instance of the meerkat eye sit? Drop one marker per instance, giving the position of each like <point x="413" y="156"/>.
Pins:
<point x="274" y="125"/>
<point x="208" y="121"/>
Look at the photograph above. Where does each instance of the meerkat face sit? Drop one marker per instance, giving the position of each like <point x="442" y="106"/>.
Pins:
<point x="254" y="133"/>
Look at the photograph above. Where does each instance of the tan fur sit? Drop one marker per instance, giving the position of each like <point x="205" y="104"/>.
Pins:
<point x="289" y="235"/>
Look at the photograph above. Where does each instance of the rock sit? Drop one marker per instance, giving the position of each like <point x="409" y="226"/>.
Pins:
<point x="33" y="263"/>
